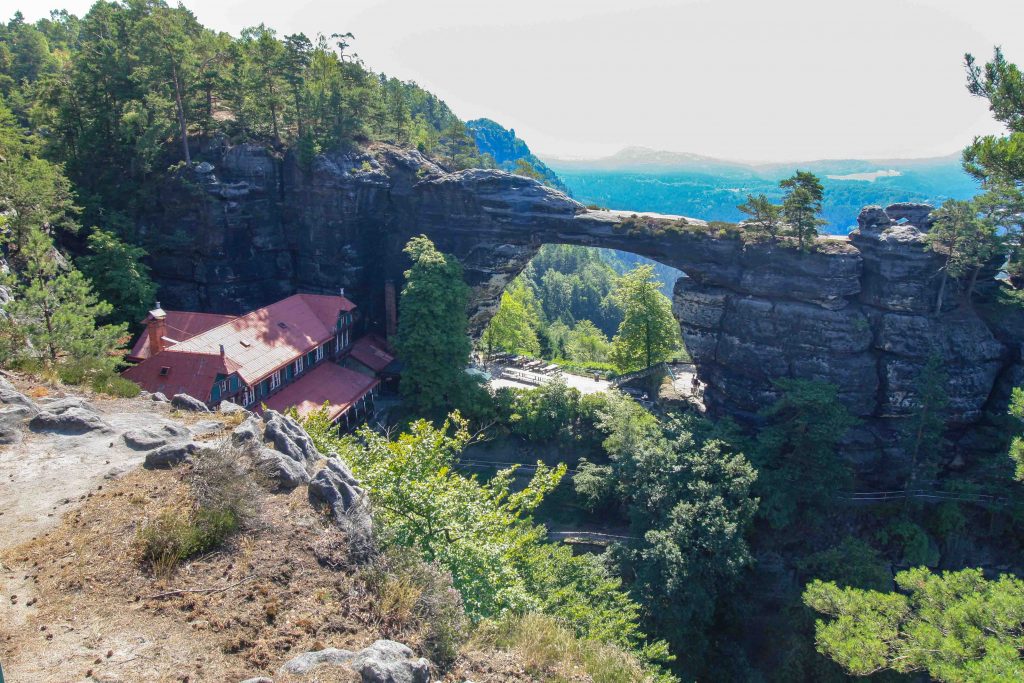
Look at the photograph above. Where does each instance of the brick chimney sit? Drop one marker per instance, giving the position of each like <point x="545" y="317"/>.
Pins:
<point x="156" y="327"/>
<point x="390" y="309"/>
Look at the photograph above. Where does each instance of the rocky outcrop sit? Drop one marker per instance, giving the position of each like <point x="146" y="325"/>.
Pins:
<point x="386" y="661"/>
<point x="857" y="312"/>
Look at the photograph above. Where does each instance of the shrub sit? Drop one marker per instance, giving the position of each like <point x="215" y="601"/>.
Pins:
<point x="413" y="592"/>
<point x="114" y="385"/>
<point x="176" y="535"/>
<point x="546" y="647"/>
<point x="223" y="492"/>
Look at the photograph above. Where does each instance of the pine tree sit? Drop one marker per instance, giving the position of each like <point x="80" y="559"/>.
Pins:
<point x="119" y="275"/>
<point x="923" y="437"/>
<point x="801" y="206"/>
<point x="965" y="240"/>
<point x="765" y="217"/>
<point x="56" y="309"/>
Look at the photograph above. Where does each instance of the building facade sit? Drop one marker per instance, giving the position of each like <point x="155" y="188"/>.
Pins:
<point x="299" y="352"/>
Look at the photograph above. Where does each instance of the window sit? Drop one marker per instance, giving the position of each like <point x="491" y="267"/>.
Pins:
<point x="275" y="380"/>
<point x="248" y="397"/>
<point x="298" y="365"/>
<point x="319" y="353"/>
<point x="223" y="385"/>
<point x="337" y="344"/>
<point x="164" y="370"/>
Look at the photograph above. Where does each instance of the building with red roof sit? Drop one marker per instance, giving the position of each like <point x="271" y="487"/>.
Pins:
<point x="284" y="355"/>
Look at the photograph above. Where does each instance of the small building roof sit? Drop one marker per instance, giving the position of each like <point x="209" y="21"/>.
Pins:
<point x="180" y="326"/>
<point x="372" y="352"/>
<point x="176" y="372"/>
<point x="264" y="340"/>
<point x="328" y="383"/>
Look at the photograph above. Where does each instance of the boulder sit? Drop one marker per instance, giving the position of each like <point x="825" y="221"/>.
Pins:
<point x="153" y="437"/>
<point x="336" y="489"/>
<point x="308" y="661"/>
<point x="186" y="402"/>
<point x="159" y="397"/>
<point x="11" y="419"/>
<point x="229" y="408"/>
<point x="170" y="455"/>
<point x="59" y="405"/>
<point x="289" y="437"/>
<point x="12" y="397"/>
<point x="206" y="428"/>
<point x="281" y="469"/>
<point x="249" y="433"/>
<point x="70" y="421"/>
<point x="387" y="661"/>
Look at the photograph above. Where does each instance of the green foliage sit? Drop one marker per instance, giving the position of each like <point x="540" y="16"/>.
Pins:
<point x="55" y="310"/>
<point x="482" y="532"/>
<point x="587" y="344"/>
<point x="850" y="563"/>
<point x="119" y="276"/>
<point x="797" y="452"/>
<point x="176" y="535"/>
<point x="514" y="327"/>
<point x="956" y="626"/>
<point x="543" y="414"/>
<point x="1017" y="444"/>
<point x="998" y="161"/>
<point x="765" y="218"/>
<point x="965" y="241"/>
<point x="689" y="500"/>
<point x="593" y="485"/>
<point x="432" y="338"/>
<point x="801" y="206"/>
<point x="908" y="541"/>
<point x="923" y="435"/>
<point x="649" y="332"/>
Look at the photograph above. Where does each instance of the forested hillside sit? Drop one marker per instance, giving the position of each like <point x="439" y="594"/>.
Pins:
<point x="711" y="189"/>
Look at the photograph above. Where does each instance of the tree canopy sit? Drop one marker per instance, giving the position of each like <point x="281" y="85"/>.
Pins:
<point x="649" y="332"/>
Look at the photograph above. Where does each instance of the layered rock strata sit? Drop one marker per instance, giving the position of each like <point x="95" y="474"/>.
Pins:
<point x="248" y="228"/>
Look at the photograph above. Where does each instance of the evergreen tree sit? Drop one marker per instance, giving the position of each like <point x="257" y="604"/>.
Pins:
<point x="801" y="206"/>
<point x="119" y="276"/>
<point x="765" y="218"/>
<point x="923" y="437"/>
<point x="964" y="240"/>
<point x="56" y="310"/>
<point x="1017" y="441"/>
<point x="432" y="338"/>
<point x="955" y="626"/>
<point x="800" y="471"/>
<point x="998" y="161"/>
<point x="649" y="333"/>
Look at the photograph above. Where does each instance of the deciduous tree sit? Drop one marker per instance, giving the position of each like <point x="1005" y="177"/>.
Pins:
<point x="649" y="333"/>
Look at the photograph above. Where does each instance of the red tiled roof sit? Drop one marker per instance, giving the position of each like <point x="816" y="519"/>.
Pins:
<point x="337" y="386"/>
<point x="266" y="339"/>
<point x="187" y="373"/>
<point x="372" y="352"/>
<point x="181" y="325"/>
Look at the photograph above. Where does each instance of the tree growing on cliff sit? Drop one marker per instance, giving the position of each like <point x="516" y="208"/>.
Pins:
<point x="1017" y="442"/>
<point x="923" y="436"/>
<point x="998" y="161"/>
<point x="964" y="240"/>
<point x="765" y="218"/>
<point x="800" y="471"/>
<point x="801" y="206"/>
<point x="648" y="333"/>
<point x="956" y="626"/>
<point x="432" y="338"/>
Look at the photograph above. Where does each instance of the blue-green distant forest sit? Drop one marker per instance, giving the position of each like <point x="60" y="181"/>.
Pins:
<point x="701" y="187"/>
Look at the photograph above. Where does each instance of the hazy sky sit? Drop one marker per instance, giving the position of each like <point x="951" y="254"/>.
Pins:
<point x="743" y="79"/>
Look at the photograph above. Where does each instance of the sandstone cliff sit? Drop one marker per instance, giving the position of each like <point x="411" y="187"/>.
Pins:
<point x="248" y="227"/>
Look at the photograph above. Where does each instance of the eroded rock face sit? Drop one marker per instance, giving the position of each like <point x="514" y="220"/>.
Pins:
<point x="857" y="312"/>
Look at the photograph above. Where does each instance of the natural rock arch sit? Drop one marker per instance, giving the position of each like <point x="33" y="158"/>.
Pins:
<point x="854" y="312"/>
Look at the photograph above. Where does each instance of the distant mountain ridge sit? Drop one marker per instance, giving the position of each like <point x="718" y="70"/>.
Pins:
<point x="643" y="179"/>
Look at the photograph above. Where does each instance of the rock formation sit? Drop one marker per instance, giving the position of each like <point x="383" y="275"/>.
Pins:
<point x="250" y="228"/>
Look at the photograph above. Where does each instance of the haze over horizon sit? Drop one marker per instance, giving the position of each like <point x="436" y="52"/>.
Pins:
<point x="793" y="80"/>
